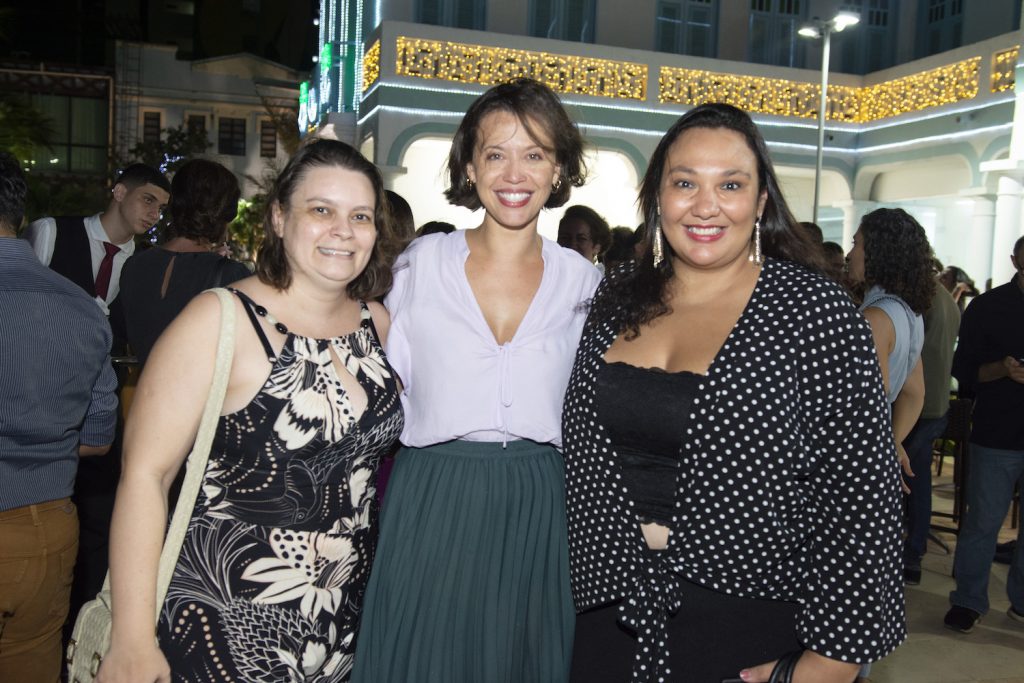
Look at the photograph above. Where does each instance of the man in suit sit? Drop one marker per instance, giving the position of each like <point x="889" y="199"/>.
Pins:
<point x="91" y="250"/>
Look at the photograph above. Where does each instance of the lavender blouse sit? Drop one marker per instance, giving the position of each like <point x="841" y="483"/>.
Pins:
<point x="459" y="383"/>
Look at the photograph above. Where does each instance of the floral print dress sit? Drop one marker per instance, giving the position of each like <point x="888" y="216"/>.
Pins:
<point x="271" y="576"/>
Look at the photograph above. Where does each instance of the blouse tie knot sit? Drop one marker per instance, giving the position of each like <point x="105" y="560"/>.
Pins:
<point x="656" y="593"/>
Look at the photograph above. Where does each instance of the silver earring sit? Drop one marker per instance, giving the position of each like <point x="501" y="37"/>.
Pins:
<point x="756" y="256"/>
<point x="658" y="247"/>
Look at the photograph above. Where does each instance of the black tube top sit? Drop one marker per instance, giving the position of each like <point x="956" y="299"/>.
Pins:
<point x="645" y="412"/>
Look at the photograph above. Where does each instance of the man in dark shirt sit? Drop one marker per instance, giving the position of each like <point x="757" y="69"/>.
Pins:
<point x="57" y="402"/>
<point x="989" y="365"/>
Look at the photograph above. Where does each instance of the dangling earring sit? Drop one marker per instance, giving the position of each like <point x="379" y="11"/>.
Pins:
<point x="756" y="256"/>
<point x="557" y="184"/>
<point x="656" y="238"/>
<point x="469" y="183"/>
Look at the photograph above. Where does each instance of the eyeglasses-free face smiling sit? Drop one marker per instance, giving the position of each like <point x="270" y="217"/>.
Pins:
<point x="709" y="198"/>
<point x="327" y="226"/>
<point x="513" y="172"/>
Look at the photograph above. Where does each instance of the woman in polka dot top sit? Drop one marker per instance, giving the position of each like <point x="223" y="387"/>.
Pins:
<point x="733" y="489"/>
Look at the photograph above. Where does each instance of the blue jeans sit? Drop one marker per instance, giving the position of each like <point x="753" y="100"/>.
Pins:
<point x="992" y="474"/>
<point x="919" y="503"/>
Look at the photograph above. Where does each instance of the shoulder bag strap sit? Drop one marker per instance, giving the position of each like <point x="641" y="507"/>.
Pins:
<point x="197" y="459"/>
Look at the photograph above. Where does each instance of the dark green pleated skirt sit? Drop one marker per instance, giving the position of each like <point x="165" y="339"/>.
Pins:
<point x="471" y="579"/>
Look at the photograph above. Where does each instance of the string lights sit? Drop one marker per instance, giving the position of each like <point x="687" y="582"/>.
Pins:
<point x="488" y="65"/>
<point x="371" y="65"/>
<point x="485" y="65"/>
<point x="1004" y="67"/>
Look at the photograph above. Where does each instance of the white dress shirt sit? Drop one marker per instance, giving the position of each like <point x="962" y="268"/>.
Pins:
<point x="42" y="235"/>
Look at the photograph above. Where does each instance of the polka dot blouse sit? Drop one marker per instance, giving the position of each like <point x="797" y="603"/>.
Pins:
<point x="788" y="486"/>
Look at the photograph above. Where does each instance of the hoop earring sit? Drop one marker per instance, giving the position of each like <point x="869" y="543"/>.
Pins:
<point x="756" y="257"/>
<point x="658" y="245"/>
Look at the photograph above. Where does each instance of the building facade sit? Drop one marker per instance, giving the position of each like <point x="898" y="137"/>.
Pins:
<point x="232" y="98"/>
<point x="924" y="119"/>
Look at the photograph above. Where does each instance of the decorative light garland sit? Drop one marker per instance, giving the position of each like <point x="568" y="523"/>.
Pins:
<point x="371" y="65"/>
<point x="1004" y="68"/>
<point x="488" y="65"/>
<point x="485" y="65"/>
<point x="935" y="87"/>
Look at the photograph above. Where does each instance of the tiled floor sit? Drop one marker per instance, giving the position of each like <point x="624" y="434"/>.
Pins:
<point x="993" y="651"/>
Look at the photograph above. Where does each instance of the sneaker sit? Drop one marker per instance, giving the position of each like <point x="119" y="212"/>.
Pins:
<point x="962" y="619"/>
<point x="912" y="576"/>
<point x="1014" y="614"/>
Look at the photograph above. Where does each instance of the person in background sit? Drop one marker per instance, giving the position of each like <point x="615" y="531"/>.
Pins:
<point x="941" y="322"/>
<point x="91" y="250"/>
<point x="273" y="568"/>
<point x="471" y="580"/>
<point x="620" y="249"/>
<point x="584" y="230"/>
<point x="835" y="261"/>
<point x="989" y="366"/>
<point x="959" y="284"/>
<point x="890" y="270"/>
<point x="159" y="282"/>
<point x="58" y="403"/>
<point x="401" y="216"/>
<point x="732" y="484"/>
<point x="433" y="227"/>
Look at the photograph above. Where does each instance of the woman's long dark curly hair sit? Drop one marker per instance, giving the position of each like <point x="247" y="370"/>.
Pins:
<point x="637" y="295"/>
<point x="898" y="257"/>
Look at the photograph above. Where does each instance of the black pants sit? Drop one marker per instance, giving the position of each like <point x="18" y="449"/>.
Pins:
<point x="713" y="637"/>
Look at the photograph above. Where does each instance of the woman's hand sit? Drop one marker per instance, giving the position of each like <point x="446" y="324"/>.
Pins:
<point x="138" y="663"/>
<point x="901" y="454"/>
<point x="812" y="668"/>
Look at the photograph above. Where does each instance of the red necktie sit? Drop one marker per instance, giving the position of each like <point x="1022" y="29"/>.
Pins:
<point x="106" y="268"/>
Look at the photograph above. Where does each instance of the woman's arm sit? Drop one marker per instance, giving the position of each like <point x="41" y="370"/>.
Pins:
<point x="905" y="411"/>
<point x="160" y="432"/>
<point x="852" y="603"/>
<point x="381" y="320"/>
<point x="883" y="332"/>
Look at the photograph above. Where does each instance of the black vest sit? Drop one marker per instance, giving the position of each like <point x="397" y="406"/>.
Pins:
<point x="72" y="256"/>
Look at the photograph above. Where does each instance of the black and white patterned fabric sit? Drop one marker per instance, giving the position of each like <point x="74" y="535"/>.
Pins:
<point x="788" y="487"/>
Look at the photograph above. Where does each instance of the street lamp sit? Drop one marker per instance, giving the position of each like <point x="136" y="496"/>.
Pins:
<point x="819" y="28"/>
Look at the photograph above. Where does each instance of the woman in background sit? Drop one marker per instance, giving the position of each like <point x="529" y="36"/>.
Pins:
<point x="158" y="283"/>
<point x="732" y="484"/>
<point x="584" y="230"/>
<point x="471" y="580"/>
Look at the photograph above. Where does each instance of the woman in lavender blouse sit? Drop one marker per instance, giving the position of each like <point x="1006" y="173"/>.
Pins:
<point x="471" y="580"/>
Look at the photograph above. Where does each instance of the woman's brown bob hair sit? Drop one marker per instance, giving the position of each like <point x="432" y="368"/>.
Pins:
<point x="272" y="266"/>
<point x="204" y="199"/>
<point x="540" y="111"/>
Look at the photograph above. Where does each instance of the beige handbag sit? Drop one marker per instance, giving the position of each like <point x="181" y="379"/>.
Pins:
<point x="91" y="637"/>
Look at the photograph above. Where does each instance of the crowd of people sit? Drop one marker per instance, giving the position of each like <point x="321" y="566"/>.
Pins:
<point x="669" y="453"/>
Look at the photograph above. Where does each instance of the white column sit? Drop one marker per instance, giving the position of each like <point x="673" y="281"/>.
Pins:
<point x="978" y="246"/>
<point x="1007" y="227"/>
<point x="853" y="211"/>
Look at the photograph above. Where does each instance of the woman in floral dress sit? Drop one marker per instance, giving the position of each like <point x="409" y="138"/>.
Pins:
<point x="271" y="576"/>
